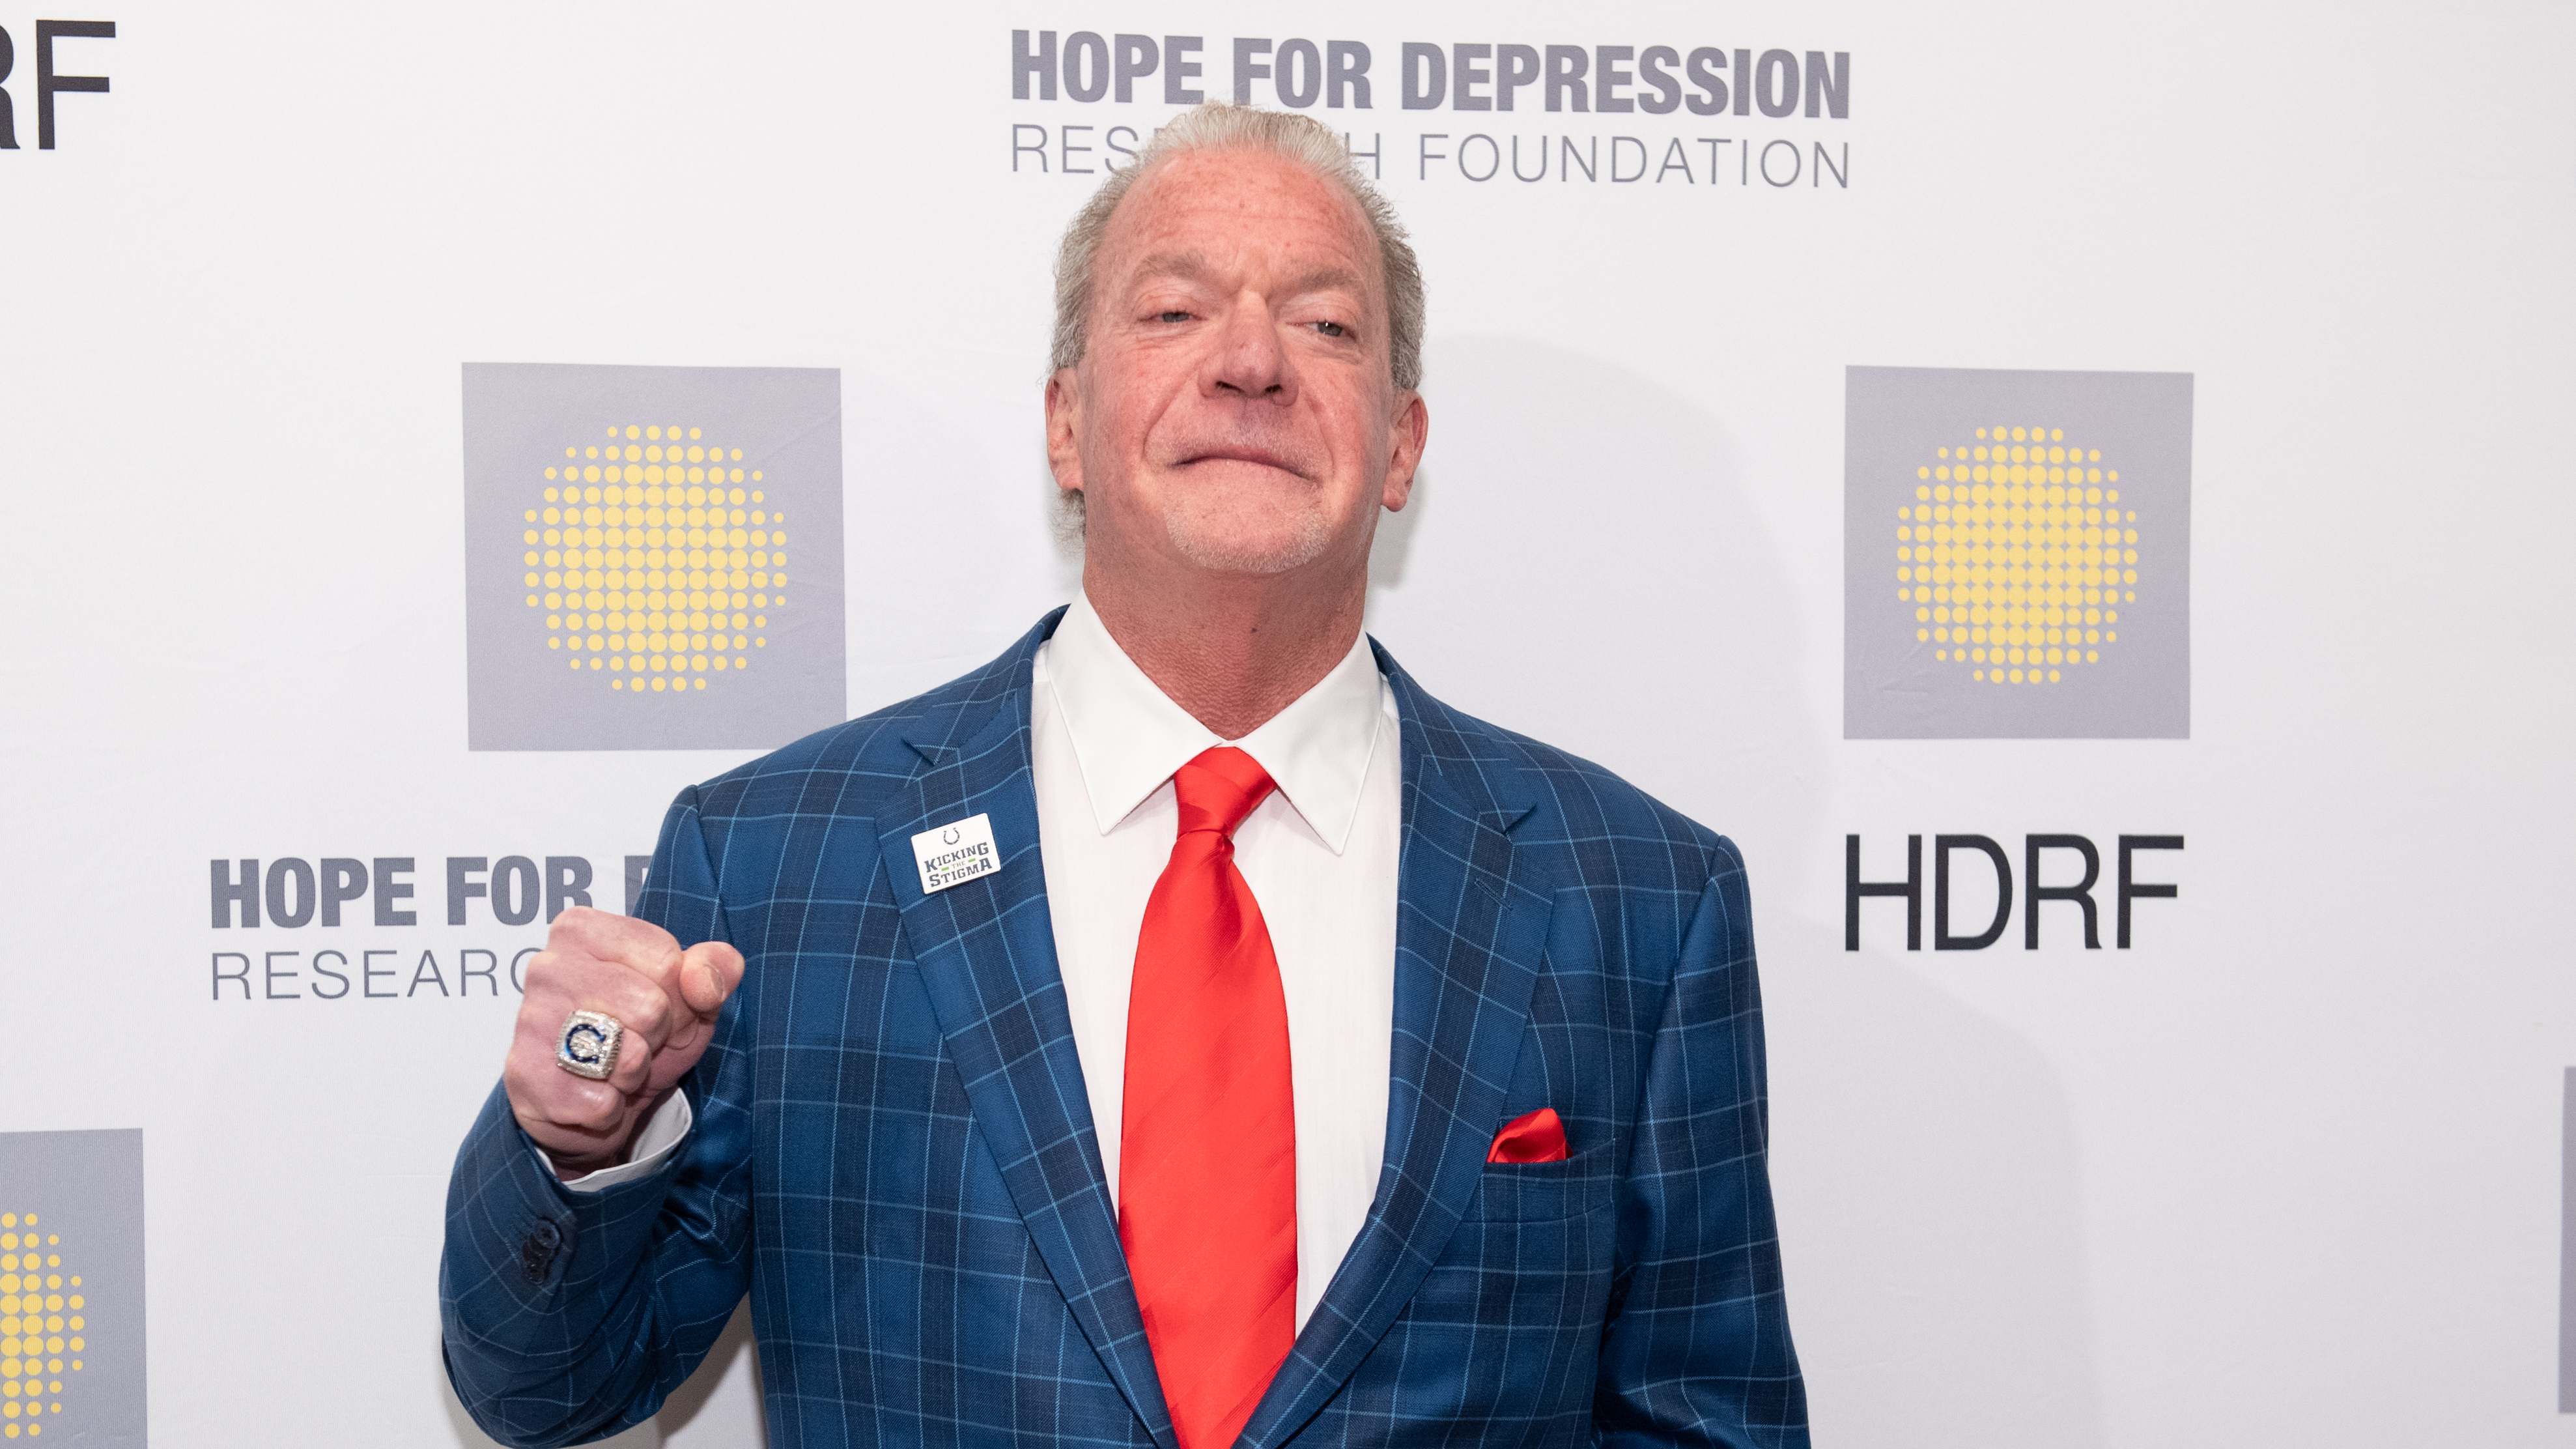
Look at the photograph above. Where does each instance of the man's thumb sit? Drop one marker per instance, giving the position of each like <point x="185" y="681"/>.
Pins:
<point x="705" y="981"/>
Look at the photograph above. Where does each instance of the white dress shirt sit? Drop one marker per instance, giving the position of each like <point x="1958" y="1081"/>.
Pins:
<point x="1320" y="855"/>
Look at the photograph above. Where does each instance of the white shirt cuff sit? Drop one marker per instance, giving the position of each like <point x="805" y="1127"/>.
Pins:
<point x="653" y="1146"/>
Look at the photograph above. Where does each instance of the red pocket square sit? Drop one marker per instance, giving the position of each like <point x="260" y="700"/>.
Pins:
<point x="1537" y="1137"/>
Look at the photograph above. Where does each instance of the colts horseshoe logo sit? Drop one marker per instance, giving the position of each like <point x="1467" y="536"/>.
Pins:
<point x="955" y="853"/>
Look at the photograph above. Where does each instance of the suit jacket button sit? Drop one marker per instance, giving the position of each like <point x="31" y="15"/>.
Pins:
<point x="537" y="1251"/>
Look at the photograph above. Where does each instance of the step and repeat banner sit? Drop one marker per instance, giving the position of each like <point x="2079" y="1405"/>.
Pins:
<point x="2074" y="495"/>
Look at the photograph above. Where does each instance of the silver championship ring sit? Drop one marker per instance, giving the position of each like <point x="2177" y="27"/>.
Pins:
<point x="587" y="1046"/>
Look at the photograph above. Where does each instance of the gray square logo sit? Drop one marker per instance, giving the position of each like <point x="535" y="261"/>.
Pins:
<point x="652" y="556"/>
<point x="2016" y="554"/>
<point x="71" y="1287"/>
<point x="2567" y="1244"/>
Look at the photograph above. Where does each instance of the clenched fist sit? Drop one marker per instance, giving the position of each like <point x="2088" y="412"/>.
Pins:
<point x="666" y="999"/>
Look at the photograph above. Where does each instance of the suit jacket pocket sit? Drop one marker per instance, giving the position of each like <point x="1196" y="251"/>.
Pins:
<point x="1542" y="1192"/>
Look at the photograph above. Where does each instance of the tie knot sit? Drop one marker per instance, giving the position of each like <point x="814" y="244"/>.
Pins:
<point x="1218" y="788"/>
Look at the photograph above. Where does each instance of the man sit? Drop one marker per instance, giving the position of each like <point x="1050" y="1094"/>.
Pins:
<point x="1184" y="1029"/>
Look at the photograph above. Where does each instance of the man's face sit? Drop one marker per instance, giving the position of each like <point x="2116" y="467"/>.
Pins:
<point x="1233" y="410"/>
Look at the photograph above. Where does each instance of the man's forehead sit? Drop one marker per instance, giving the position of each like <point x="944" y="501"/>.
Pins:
<point x="1188" y="219"/>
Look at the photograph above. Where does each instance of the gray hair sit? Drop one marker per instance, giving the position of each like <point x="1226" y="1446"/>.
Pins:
<point x="1217" y="126"/>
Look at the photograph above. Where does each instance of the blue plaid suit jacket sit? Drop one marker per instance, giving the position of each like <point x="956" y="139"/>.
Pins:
<point x="894" y="1154"/>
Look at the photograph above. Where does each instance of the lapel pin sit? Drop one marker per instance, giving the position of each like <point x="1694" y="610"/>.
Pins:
<point x="955" y="853"/>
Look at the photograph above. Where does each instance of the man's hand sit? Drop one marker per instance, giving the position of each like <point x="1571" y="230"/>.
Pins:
<point x="666" y="999"/>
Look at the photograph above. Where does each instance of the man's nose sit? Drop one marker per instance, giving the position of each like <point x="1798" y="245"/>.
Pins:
<point x="1249" y="361"/>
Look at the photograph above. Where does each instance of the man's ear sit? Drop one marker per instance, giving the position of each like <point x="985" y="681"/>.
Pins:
<point x="1064" y="428"/>
<point x="1405" y="442"/>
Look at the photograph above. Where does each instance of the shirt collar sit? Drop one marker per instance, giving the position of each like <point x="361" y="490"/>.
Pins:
<point x="1129" y="736"/>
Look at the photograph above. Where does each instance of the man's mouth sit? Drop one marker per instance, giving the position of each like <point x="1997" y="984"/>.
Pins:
<point x="1241" y="454"/>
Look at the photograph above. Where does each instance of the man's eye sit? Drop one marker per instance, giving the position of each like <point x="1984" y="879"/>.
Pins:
<point x="1332" y="329"/>
<point x="1171" y="316"/>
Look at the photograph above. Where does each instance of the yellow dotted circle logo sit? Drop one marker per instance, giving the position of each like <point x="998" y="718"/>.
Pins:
<point x="653" y="559"/>
<point x="41" y="1326"/>
<point x="2016" y="555"/>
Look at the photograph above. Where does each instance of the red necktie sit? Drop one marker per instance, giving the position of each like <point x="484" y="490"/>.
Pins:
<point x="1207" y="1158"/>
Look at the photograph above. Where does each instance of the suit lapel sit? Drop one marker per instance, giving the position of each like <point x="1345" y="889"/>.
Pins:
<point x="1470" y="926"/>
<point x="987" y="955"/>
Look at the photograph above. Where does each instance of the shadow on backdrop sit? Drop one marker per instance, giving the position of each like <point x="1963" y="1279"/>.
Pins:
<point x="1939" y="1197"/>
<point x="1595" y="579"/>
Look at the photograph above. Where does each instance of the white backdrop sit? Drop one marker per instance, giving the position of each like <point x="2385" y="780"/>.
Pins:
<point x="2287" y="1170"/>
